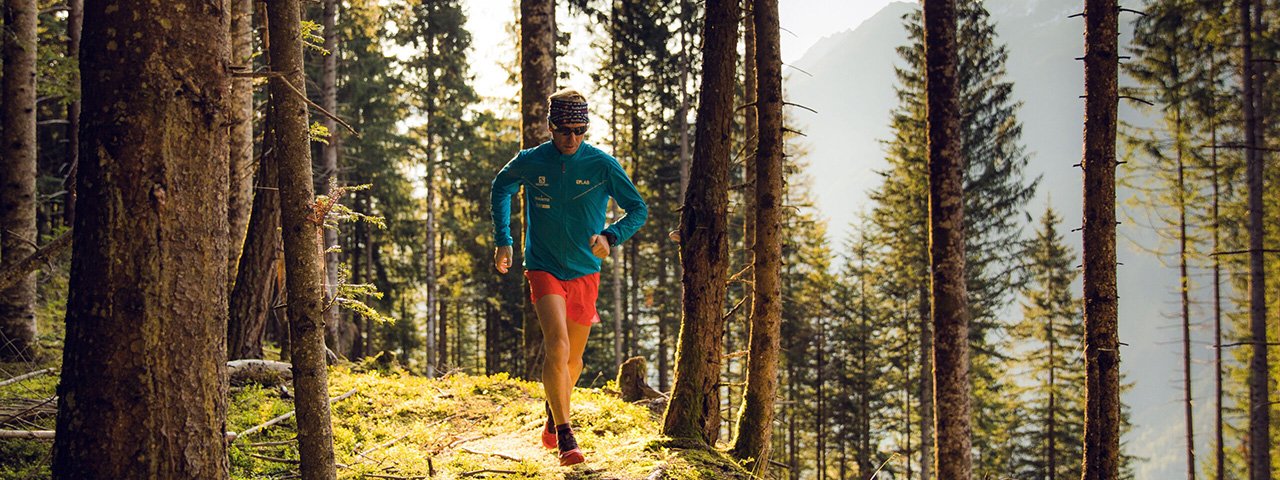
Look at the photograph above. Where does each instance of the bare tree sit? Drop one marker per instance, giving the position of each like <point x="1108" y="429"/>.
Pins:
<point x="1102" y="344"/>
<point x="329" y="176"/>
<point x="143" y="389"/>
<point x="18" y="176"/>
<point x="300" y="219"/>
<point x="75" y="23"/>
<point x="755" y="419"/>
<point x="694" y="410"/>
<point x="1259" y="447"/>
<point x="953" y="459"/>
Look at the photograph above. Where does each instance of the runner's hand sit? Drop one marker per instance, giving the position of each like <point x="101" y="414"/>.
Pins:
<point x="502" y="258"/>
<point x="599" y="246"/>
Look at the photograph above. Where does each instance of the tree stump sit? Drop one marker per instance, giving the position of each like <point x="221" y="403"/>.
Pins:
<point x="631" y="382"/>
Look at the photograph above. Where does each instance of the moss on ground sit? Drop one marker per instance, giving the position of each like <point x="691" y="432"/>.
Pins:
<point x="397" y="425"/>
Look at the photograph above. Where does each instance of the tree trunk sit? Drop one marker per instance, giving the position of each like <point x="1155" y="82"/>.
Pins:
<point x="946" y="246"/>
<point x="1219" y="449"/>
<point x="241" y="167"/>
<point x="18" y="177"/>
<point x="1259" y="399"/>
<point x="926" y="386"/>
<point x="755" y="420"/>
<point x="1184" y="287"/>
<point x="537" y="83"/>
<point x="301" y="230"/>
<point x="75" y="23"/>
<point x="251" y="297"/>
<point x="143" y="374"/>
<point x="329" y="159"/>
<point x="432" y="282"/>
<point x="695" y="404"/>
<point x="1102" y="345"/>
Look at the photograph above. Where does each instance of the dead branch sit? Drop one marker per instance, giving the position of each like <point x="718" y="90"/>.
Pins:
<point x="12" y="275"/>
<point x="488" y="470"/>
<point x="33" y="407"/>
<point x="233" y="436"/>
<point x="27" y="434"/>
<point x="25" y="376"/>
<point x="274" y="459"/>
<point x="495" y="454"/>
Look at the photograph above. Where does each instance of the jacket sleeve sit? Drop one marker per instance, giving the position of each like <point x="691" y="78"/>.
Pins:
<point x="624" y="192"/>
<point x="504" y="186"/>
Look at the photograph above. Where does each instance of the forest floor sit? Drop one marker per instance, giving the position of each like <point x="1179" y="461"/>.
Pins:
<point x="395" y="425"/>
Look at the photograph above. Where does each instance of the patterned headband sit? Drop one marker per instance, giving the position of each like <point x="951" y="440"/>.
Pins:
<point x="565" y="112"/>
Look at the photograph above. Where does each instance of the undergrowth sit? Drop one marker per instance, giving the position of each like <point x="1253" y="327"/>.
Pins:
<point x="400" y="426"/>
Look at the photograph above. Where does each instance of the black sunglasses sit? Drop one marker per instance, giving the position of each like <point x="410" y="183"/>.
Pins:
<point x="575" y="130"/>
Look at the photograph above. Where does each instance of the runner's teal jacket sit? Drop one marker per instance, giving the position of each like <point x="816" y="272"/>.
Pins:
<point x="565" y="201"/>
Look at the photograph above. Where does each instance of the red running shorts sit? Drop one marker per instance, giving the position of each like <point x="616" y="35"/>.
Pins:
<point x="579" y="294"/>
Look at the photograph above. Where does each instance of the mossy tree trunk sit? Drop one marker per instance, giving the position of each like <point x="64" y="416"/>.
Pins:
<point x="143" y="388"/>
<point x="755" y="420"/>
<point x="704" y="253"/>
<point x="300" y="229"/>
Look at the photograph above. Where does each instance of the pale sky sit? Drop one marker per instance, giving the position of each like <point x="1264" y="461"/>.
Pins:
<point x="804" y="22"/>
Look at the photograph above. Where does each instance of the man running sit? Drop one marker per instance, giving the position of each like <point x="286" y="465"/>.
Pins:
<point x="568" y="183"/>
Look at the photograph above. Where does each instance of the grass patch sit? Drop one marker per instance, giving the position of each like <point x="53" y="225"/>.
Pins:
<point x="401" y="425"/>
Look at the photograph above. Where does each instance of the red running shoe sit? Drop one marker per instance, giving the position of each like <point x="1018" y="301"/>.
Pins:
<point x="549" y="437"/>
<point x="571" y="457"/>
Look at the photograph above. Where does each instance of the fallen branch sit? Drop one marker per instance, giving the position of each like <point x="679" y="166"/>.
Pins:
<point x="25" y="376"/>
<point x="33" y="407"/>
<point x="274" y="459"/>
<point x="488" y="470"/>
<point x="233" y="436"/>
<point x="12" y="275"/>
<point x="496" y="454"/>
<point x="461" y="441"/>
<point x="388" y="443"/>
<point x="27" y="434"/>
<point x="374" y="475"/>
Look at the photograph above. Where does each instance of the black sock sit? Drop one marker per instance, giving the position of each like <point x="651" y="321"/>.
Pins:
<point x="564" y="436"/>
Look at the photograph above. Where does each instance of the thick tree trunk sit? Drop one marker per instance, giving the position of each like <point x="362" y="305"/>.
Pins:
<point x="1102" y="344"/>
<point x="251" y="297"/>
<point x="704" y="253"/>
<point x="75" y="23"/>
<point x="241" y="166"/>
<point x="18" y="177"/>
<point x="755" y="420"/>
<point x="300" y="232"/>
<point x="946" y="246"/>
<point x="329" y="161"/>
<point x="143" y="389"/>
<point x="537" y="83"/>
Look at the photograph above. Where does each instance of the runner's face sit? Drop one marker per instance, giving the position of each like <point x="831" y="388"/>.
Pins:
<point x="568" y="137"/>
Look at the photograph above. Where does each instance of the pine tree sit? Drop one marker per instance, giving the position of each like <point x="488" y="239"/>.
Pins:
<point x="142" y="386"/>
<point x="995" y="196"/>
<point x="18" y="234"/>
<point x="1048" y="339"/>
<point x="1102" y="345"/>
<point x="694" y="407"/>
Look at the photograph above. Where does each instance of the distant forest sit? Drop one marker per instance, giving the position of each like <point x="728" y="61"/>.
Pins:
<point x="187" y="183"/>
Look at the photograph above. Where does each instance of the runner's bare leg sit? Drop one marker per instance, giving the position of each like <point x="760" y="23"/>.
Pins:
<point x="555" y="365"/>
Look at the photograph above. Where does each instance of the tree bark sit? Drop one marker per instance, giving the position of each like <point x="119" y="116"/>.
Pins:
<point x="1259" y="395"/>
<point x="241" y="166"/>
<point x="251" y="297"/>
<point x="18" y="177"/>
<point x="950" y="300"/>
<point x="143" y="388"/>
<point x="704" y="252"/>
<point x="300" y="233"/>
<point x="755" y="420"/>
<point x="537" y="83"/>
<point x="75" y="23"/>
<point x="1102" y="344"/>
